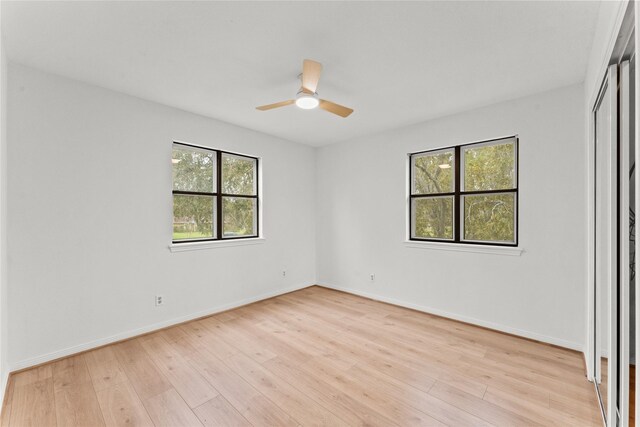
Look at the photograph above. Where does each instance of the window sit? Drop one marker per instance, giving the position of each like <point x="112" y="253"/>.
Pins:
<point x="215" y="194"/>
<point x="466" y="194"/>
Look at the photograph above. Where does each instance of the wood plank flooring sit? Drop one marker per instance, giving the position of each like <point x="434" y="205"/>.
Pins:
<point x="311" y="357"/>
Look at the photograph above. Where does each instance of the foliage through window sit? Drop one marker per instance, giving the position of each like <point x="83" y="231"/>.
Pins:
<point x="215" y="194"/>
<point x="466" y="194"/>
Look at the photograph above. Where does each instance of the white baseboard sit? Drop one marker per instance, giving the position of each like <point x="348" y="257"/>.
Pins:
<point x="3" y="385"/>
<point x="526" y="334"/>
<point x="27" y="363"/>
<point x="587" y="365"/>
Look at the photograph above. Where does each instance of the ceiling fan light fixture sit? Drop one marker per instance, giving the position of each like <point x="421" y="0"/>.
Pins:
<point x="307" y="101"/>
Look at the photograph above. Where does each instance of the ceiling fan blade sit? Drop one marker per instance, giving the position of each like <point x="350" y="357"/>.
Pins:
<point x="276" y="105"/>
<point x="335" y="108"/>
<point x="310" y="74"/>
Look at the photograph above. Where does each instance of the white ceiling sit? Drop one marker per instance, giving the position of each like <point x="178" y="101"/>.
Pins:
<point x="395" y="63"/>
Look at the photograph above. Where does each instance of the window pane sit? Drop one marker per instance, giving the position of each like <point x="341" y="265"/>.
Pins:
<point x="238" y="175"/>
<point x="193" y="169"/>
<point x="432" y="217"/>
<point x="239" y="216"/>
<point x="193" y="217"/>
<point x="432" y="172"/>
<point x="490" y="167"/>
<point x="490" y="218"/>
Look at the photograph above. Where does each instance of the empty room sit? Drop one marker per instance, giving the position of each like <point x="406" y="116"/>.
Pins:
<point x="318" y="213"/>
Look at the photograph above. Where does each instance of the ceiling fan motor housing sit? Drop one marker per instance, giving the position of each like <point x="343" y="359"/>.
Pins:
<point x="306" y="100"/>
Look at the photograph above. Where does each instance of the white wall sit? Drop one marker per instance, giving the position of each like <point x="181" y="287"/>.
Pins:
<point x="4" y="330"/>
<point x="89" y="218"/>
<point x="362" y="220"/>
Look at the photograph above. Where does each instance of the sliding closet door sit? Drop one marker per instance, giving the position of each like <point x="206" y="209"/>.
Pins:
<point x="606" y="249"/>
<point x="626" y="342"/>
<point x="613" y="300"/>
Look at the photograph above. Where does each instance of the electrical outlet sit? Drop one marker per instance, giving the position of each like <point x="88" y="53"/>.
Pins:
<point x="159" y="300"/>
<point x="284" y="273"/>
<point x="372" y="276"/>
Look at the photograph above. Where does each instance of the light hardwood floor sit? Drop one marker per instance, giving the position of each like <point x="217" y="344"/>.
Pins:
<point x="312" y="357"/>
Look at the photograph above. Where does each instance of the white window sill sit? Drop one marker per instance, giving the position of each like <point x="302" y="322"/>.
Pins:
<point x="214" y="244"/>
<point x="461" y="247"/>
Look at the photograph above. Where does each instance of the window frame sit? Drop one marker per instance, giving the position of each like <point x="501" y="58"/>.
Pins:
<point x="218" y="195"/>
<point x="458" y="194"/>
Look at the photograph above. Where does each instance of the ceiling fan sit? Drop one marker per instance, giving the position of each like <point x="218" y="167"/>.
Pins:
<point x="307" y="97"/>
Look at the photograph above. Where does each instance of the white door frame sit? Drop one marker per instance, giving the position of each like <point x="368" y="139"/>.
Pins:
<point x="609" y="260"/>
<point x="625" y="120"/>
